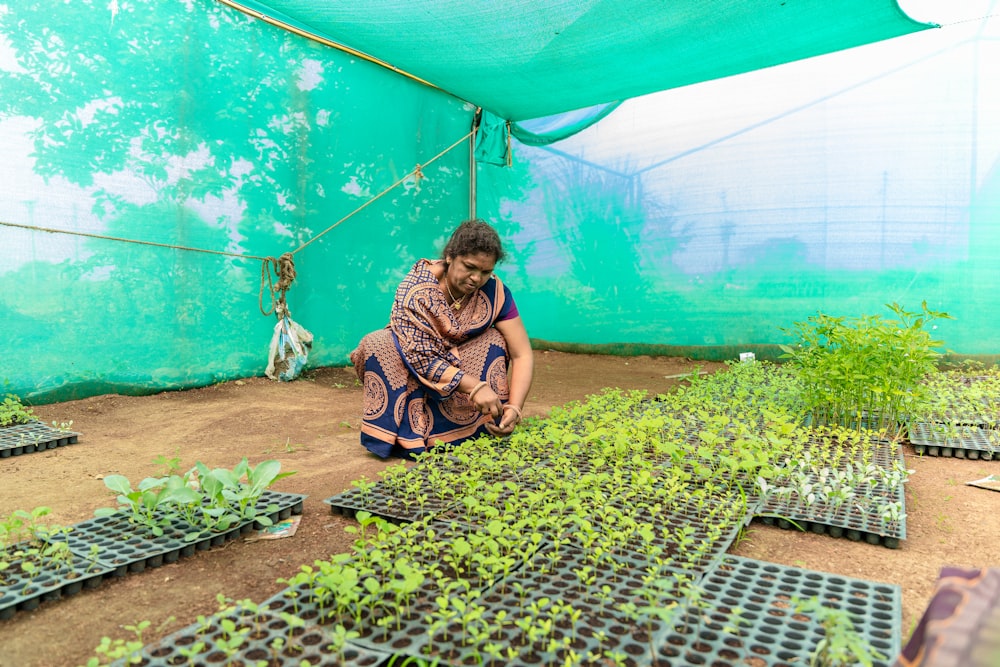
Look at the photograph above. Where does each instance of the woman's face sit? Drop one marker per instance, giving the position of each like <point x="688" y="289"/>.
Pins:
<point x="467" y="273"/>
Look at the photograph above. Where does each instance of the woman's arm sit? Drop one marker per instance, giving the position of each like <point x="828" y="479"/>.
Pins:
<point x="522" y="368"/>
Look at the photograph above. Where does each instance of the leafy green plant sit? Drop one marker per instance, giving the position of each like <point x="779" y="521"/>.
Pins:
<point x="171" y="465"/>
<point x="28" y="547"/>
<point x="207" y="500"/>
<point x="123" y="651"/>
<point x="866" y="370"/>
<point x="842" y="645"/>
<point x="12" y="411"/>
<point x="153" y="504"/>
<point x="228" y="500"/>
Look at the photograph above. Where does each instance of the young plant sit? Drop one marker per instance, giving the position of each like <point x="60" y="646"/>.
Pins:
<point x="864" y="371"/>
<point x="228" y="500"/>
<point x="842" y="645"/>
<point x="123" y="651"/>
<point x="152" y="504"/>
<point x="12" y="412"/>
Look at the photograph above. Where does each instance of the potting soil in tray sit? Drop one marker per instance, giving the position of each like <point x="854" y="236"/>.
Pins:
<point x="582" y="602"/>
<point x="768" y="629"/>
<point x="33" y="437"/>
<point x="352" y="501"/>
<point x="252" y="636"/>
<point x="23" y="592"/>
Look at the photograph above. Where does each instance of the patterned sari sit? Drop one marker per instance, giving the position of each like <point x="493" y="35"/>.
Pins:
<point x="961" y="625"/>
<point x="411" y="369"/>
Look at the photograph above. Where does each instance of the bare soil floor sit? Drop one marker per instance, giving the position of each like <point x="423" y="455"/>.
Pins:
<point x="311" y="426"/>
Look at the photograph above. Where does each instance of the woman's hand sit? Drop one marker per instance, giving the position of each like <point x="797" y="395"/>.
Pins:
<point x="510" y="418"/>
<point x="486" y="401"/>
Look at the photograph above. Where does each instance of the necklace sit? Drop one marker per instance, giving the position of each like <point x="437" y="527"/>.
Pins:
<point x="455" y="303"/>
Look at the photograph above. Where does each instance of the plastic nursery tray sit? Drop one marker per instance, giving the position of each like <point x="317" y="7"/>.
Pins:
<point x="520" y="597"/>
<point x="352" y="501"/>
<point x="963" y="417"/>
<point x="768" y="630"/>
<point x="843" y="521"/>
<point x="672" y="526"/>
<point x="23" y="593"/>
<point x="266" y="638"/>
<point x="31" y="437"/>
<point x="405" y="633"/>
<point x="124" y="546"/>
<point x="846" y="520"/>
<point x="288" y="504"/>
<point x="883" y="452"/>
<point x="973" y="442"/>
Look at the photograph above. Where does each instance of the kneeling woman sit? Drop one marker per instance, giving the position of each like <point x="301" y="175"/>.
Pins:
<point x="455" y="360"/>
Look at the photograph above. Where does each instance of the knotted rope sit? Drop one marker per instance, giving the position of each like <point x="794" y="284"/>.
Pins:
<point x="284" y="270"/>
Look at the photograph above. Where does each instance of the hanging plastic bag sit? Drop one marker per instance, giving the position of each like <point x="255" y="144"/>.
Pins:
<point x="290" y="346"/>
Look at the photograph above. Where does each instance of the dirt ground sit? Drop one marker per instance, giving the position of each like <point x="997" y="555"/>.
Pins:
<point x="311" y="426"/>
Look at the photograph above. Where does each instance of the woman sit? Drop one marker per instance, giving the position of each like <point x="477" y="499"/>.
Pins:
<point x="455" y="360"/>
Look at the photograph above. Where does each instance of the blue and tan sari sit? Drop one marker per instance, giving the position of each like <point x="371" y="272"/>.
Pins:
<point x="411" y="369"/>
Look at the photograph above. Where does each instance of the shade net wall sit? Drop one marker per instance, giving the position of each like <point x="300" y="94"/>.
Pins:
<point x="717" y="214"/>
<point x="191" y="124"/>
<point x="700" y="218"/>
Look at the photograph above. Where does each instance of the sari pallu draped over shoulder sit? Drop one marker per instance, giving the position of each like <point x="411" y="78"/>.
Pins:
<point x="411" y="369"/>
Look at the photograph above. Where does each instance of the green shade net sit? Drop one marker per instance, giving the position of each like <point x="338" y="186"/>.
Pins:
<point x="525" y="59"/>
<point x="191" y="124"/>
<point x="701" y="217"/>
<point x="700" y="221"/>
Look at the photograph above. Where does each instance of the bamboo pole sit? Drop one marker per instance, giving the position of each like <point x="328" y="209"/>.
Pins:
<point x="327" y="42"/>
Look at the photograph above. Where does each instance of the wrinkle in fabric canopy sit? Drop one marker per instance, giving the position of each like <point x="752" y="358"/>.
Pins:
<point x="523" y="59"/>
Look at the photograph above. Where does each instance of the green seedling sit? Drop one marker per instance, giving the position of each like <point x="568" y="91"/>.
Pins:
<point x="12" y="411"/>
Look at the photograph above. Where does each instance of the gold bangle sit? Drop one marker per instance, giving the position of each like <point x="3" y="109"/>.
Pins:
<point x="517" y="410"/>
<point x="476" y="388"/>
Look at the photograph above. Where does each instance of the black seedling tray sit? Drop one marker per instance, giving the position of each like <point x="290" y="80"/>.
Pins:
<point x="352" y="501"/>
<point x="24" y="593"/>
<point x="767" y="629"/>
<point x="33" y="437"/>
<point x="972" y="442"/>
<point x="266" y="637"/>
<point x="847" y="520"/>
<point x="509" y="607"/>
<point x="844" y="521"/>
<point x="128" y="547"/>
<point x="125" y="546"/>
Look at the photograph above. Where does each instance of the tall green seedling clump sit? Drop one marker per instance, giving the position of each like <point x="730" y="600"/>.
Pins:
<point x="864" y="371"/>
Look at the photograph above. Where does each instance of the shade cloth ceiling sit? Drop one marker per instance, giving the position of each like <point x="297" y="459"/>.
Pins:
<point x="526" y="59"/>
